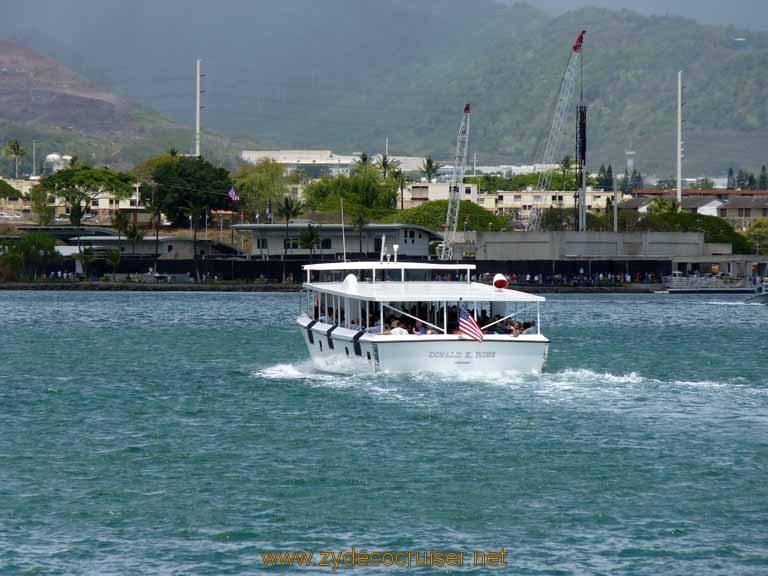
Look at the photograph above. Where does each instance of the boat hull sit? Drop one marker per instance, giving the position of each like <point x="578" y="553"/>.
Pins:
<point x="344" y="351"/>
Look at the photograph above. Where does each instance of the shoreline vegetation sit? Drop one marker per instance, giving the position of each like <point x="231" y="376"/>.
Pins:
<point x="74" y="286"/>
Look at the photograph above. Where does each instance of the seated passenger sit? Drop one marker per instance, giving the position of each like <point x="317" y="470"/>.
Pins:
<point x="328" y="317"/>
<point x="419" y="328"/>
<point x="516" y="329"/>
<point x="531" y="328"/>
<point x="397" y="330"/>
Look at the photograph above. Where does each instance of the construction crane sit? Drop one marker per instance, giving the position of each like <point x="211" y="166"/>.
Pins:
<point x="554" y="138"/>
<point x="454" y="191"/>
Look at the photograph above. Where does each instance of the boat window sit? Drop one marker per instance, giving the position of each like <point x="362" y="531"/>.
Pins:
<point x="346" y="350"/>
<point x="321" y="344"/>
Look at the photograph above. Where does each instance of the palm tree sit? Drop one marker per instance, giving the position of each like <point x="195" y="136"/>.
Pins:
<point x="120" y="222"/>
<point x="359" y="221"/>
<point x="85" y="256"/>
<point x="430" y="168"/>
<point x="113" y="257"/>
<point x="309" y="239"/>
<point x="155" y="209"/>
<point x="13" y="149"/>
<point x="195" y="212"/>
<point x="386" y="164"/>
<point x="363" y="160"/>
<point x="134" y="234"/>
<point x="289" y="209"/>
<point x="399" y="177"/>
<point x="173" y="151"/>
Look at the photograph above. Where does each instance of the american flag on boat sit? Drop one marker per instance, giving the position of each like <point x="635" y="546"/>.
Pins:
<point x="468" y="326"/>
<point x="233" y="195"/>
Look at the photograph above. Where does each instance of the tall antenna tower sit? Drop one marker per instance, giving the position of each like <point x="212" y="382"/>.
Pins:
<point x="680" y="141"/>
<point x="198" y="106"/>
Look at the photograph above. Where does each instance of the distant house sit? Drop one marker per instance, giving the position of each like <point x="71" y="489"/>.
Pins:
<point x="417" y="193"/>
<point x="521" y="202"/>
<point x="742" y="212"/>
<point x="706" y="206"/>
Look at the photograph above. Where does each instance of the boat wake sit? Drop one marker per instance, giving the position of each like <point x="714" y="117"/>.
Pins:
<point x="572" y="379"/>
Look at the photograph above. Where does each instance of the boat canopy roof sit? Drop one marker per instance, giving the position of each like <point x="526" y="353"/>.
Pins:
<point x="421" y="292"/>
<point x="373" y="265"/>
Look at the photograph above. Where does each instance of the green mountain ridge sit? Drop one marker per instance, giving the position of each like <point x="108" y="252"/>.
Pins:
<point x="346" y="75"/>
<point x="42" y="100"/>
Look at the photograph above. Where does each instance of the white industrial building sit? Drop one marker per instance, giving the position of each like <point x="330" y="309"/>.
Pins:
<point x="317" y="163"/>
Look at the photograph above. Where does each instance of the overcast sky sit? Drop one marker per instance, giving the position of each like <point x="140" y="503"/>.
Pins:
<point x="741" y="13"/>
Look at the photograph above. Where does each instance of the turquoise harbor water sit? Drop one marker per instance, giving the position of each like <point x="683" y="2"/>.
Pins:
<point x="186" y="434"/>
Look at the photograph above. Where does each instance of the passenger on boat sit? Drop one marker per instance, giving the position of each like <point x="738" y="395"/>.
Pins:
<point x="531" y="328"/>
<point x="418" y="328"/>
<point x="329" y="318"/>
<point x="397" y="330"/>
<point x="516" y="329"/>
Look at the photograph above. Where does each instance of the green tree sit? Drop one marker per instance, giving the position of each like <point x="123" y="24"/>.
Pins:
<point x="609" y="183"/>
<point x="85" y="257"/>
<point x="731" y="185"/>
<point x="13" y="149"/>
<point x="398" y="177"/>
<point x="362" y="188"/>
<point x="429" y="168"/>
<point x="42" y="203"/>
<point x="432" y="215"/>
<point x="556" y="219"/>
<point x="386" y="164"/>
<point x="289" y="209"/>
<point x="666" y="184"/>
<point x="309" y="239"/>
<point x="758" y="234"/>
<point x="81" y="185"/>
<point x="186" y="189"/>
<point x="762" y="182"/>
<point x="120" y="222"/>
<point x="114" y="257"/>
<point x="154" y="207"/>
<point x="704" y="184"/>
<point x="661" y="206"/>
<point x="133" y="235"/>
<point x="360" y="221"/>
<point x="259" y="184"/>
<point x="190" y="187"/>
<point x="30" y="255"/>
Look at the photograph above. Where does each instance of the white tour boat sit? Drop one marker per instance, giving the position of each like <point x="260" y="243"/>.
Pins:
<point x="404" y="317"/>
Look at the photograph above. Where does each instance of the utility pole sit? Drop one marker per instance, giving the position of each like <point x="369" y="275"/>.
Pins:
<point x="197" y="108"/>
<point x="34" y="159"/>
<point x="474" y="165"/>
<point x="680" y="143"/>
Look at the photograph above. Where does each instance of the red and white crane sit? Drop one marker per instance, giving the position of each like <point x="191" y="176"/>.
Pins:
<point x="454" y="191"/>
<point x="555" y="136"/>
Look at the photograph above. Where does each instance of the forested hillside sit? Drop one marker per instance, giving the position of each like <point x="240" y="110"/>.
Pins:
<point x="346" y="74"/>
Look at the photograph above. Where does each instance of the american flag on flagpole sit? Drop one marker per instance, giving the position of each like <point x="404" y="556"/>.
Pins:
<point x="233" y="195"/>
<point x="468" y="326"/>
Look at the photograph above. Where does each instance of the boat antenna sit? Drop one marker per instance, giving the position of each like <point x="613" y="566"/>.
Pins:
<point x="343" y="233"/>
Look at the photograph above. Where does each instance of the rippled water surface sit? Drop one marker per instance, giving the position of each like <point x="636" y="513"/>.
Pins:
<point x="186" y="434"/>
